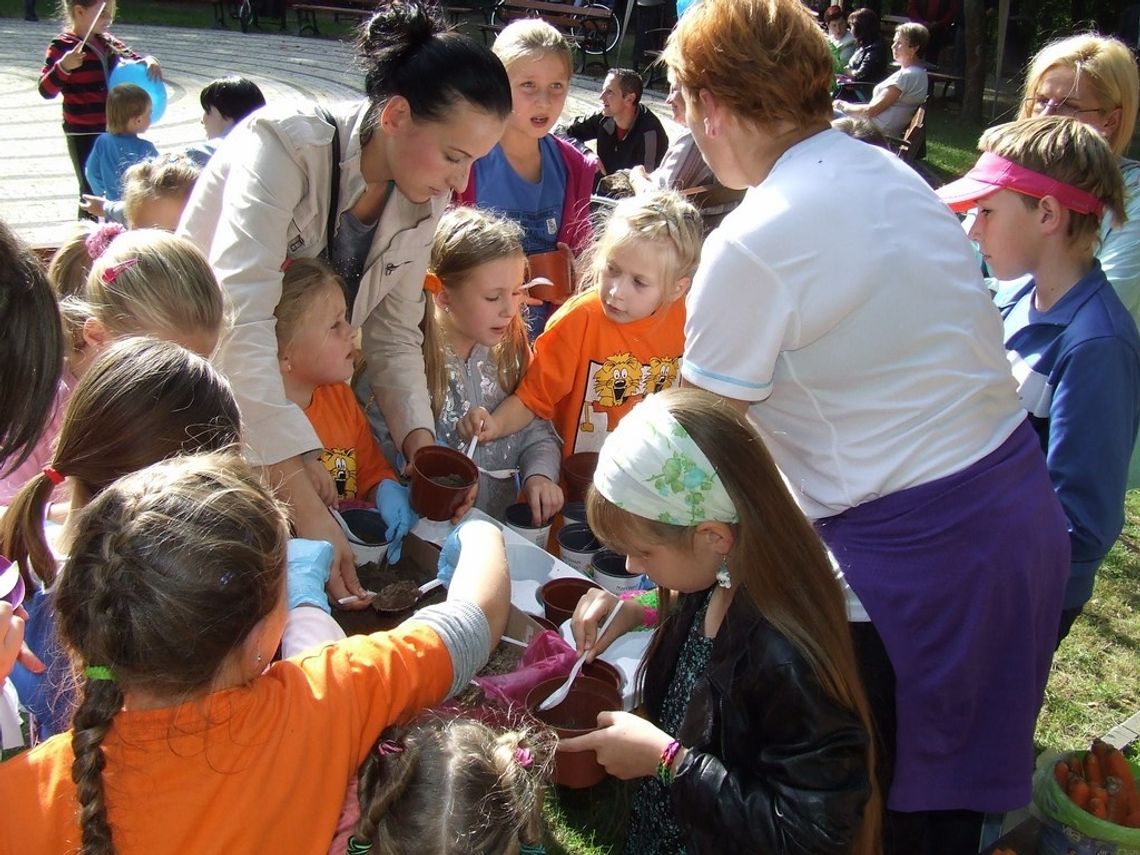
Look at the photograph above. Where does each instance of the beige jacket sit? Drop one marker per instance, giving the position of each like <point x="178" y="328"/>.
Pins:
<point x="265" y="196"/>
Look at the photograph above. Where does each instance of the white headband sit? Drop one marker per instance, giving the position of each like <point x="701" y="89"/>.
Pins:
<point x="651" y="467"/>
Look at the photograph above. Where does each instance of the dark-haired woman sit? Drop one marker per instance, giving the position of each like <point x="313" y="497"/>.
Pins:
<point x="435" y="102"/>
<point x="869" y="62"/>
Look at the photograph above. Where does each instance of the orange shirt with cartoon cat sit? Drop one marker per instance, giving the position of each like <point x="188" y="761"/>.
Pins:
<point x="351" y="453"/>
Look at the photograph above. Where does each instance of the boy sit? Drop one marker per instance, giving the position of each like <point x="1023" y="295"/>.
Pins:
<point x="1041" y="187"/>
<point x="128" y="115"/>
<point x="225" y="102"/>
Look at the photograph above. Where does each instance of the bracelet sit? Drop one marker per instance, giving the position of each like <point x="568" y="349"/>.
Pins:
<point x="648" y="601"/>
<point x="668" y="755"/>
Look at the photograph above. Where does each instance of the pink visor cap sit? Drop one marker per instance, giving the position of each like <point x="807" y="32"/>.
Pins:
<point x="992" y="173"/>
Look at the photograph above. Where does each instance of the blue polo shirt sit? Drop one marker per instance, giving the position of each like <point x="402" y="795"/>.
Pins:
<point x="1077" y="368"/>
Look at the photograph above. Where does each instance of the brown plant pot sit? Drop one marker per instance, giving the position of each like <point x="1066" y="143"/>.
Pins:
<point x="578" y="471"/>
<point x="599" y="669"/>
<point x="560" y="597"/>
<point x="542" y="621"/>
<point x="575" y="716"/>
<point x="557" y="266"/>
<point x="429" y="497"/>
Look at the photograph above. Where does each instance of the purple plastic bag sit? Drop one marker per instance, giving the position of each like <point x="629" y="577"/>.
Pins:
<point x="546" y="657"/>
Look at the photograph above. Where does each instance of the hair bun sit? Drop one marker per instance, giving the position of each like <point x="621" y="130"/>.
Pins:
<point x="397" y="29"/>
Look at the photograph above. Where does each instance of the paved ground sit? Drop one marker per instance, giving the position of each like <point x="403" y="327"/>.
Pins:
<point x="38" y="192"/>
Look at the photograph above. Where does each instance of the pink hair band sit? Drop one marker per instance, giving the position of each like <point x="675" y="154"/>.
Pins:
<point x="992" y="173"/>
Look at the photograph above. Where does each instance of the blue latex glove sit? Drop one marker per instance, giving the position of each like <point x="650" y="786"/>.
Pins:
<point x="393" y="500"/>
<point x="449" y="556"/>
<point x="307" y="571"/>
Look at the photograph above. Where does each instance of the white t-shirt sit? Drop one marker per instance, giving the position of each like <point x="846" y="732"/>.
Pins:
<point x="912" y="84"/>
<point x="842" y="298"/>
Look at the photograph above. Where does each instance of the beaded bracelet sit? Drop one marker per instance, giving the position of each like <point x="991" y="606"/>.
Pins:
<point x="668" y="755"/>
<point x="648" y="601"/>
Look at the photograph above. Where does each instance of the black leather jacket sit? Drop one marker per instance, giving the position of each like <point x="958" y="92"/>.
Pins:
<point x="869" y="63"/>
<point x="773" y="766"/>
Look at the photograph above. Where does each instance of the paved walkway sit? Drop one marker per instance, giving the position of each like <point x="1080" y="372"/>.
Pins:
<point x="38" y="192"/>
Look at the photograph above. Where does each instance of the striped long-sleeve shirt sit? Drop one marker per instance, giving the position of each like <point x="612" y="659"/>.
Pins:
<point x="84" y="89"/>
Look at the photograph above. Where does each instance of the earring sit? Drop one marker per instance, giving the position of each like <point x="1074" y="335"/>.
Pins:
<point x="723" y="578"/>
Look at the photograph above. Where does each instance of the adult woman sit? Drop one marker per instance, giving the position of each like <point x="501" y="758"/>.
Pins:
<point x="435" y="102"/>
<point x="894" y="100"/>
<point x="876" y="374"/>
<point x="1094" y="79"/>
<point x="869" y="62"/>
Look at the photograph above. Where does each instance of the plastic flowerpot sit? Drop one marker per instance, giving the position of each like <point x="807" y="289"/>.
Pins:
<point x="599" y="669"/>
<point x="519" y="519"/>
<point x="578" y="470"/>
<point x="555" y="266"/>
<point x="542" y="621"/>
<point x="365" y="531"/>
<point x="577" y="546"/>
<point x="441" y="480"/>
<point x="575" y="716"/>
<point x="560" y="597"/>
<point x="574" y="512"/>
<point x="608" y="570"/>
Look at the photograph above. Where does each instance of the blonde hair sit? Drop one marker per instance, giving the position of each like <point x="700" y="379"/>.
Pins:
<point x="663" y="216"/>
<point x="777" y="558"/>
<point x="1103" y="65"/>
<point x="1069" y="151"/>
<point x="531" y="38"/>
<point x="125" y="102"/>
<point x="494" y="781"/>
<point x="768" y="61"/>
<point x="148" y="281"/>
<point x="467" y="238"/>
<point x="167" y="176"/>
<point x="72" y="262"/>
<point x="304" y="280"/>
<point x="915" y="35"/>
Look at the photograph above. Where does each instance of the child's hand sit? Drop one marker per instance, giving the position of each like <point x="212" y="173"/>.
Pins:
<point x="468" y="503"/>
<point x="12" y="647"/>
<point x="591" y="612"/>
<point x="544" y="497"/>
<point x="93" y="205"/>
<point x="153" y="69"/>
<point x="477" y="421"/>
<point x="322" y="481"/>
<point x="72" y="59"/>
<point x="626" y="744"/>
<point x="307" y="569"/>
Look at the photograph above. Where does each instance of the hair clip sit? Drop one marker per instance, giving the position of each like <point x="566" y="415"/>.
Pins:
<point x="112" y="272"/>
<point x="532" y="849"/>
<point x="432" y="283"/>
<point x="97" y="242"/>
<point x="53" y="475"/>
<point x="356" y="846"/>
<point x="523" y="757"/>
<point x="387" y="746"/>
<point x="99" y="673"/>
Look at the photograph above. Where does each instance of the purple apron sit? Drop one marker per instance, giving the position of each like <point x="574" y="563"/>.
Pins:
<point x="963" y="578"/>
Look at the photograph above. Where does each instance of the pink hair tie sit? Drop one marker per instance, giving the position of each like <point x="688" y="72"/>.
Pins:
<point x="98" y="241"/>
<point x="523" y="757"/>
<point x="53" y="475"/>
<point x="112" y="272"/>
<point x="387" y="746"/>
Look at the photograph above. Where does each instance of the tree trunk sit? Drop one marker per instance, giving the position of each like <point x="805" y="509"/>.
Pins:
<point x="975" y="71"/>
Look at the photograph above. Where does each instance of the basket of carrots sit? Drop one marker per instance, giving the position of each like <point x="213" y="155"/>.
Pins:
<point x="1089" y="803"/>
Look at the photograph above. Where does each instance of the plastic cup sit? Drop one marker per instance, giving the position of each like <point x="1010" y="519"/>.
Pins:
<point x="577" y="546"/>
<point x="519" y="519"/>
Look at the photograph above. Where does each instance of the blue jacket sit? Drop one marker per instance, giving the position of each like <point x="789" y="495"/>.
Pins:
<point x="1077" y="366"/>
<point x="110" y="157"/>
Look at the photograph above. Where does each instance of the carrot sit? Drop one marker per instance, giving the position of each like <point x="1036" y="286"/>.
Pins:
<point x="1061" y="773"/>
<point x="1100" y="748"/>
<point x="1118" y="767"/>
<point x="1093" y="773"/>
<point x="1075" y="766"/>
<point x="1079" y="792"/>
<point x="1097" y="808"/>
<point x="1133" y="819"/>
<point x="1117" y="808"/>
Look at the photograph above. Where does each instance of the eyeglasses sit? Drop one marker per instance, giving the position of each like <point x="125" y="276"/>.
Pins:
<point x="1047" y="107"/>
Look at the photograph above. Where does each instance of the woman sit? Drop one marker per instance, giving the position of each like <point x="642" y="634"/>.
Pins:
<point x="869" y="62"/>
<point x="1094" y="79"/>
<point x="384" y="168"/>
<point x="877" y="376"/>
<point x="894" y="100"/>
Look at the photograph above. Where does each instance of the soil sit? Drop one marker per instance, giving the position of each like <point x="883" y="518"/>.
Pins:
<point x="398" y="596"/>
<point x="503" y="660"/>
<point x="449" y="480"/>
<point x="376" y="577"/>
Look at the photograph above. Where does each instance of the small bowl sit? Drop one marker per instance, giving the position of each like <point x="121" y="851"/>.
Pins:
<point x="578" y="472"/>
<point x="441" y="479"/>
<point x="555" y="266"/>
<point x="559" y="597"/>
<point x="609" y="572"/>
<point x="574" y="512"/>
<point x="518" y="519"/>
<point x="577" y="545"/>
<point x="365" y="531"/>
<point x="575" y="716"/>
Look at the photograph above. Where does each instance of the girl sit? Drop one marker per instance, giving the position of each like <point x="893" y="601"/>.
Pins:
<point x="757" y="737"/>
<point x="171" y="605"/>
<point x="147" y="282"/>
<point x="315" y="352"/>
<point x="495" y="781"/>
<point x="368" y="190"/>
<point x="475" y="350"/>
<point x="140" y="402"/>
<point x="621" y="340"/>
<point x="71" y="264"/>
<point x="78" y="63"/>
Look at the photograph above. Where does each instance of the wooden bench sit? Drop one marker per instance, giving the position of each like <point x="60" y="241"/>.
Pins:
<point x="594" y="29"/>
<point x="359" y="9"/>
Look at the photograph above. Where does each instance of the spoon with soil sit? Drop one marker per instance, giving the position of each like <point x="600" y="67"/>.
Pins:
<point x="402" y="596"/>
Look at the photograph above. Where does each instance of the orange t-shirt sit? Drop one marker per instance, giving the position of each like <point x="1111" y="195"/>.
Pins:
<point x="589" y="371"/>
<point x="260" y="768"/>
<point x="351" y="453"/>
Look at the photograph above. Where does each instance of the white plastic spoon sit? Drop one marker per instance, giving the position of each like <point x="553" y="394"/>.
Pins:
<point x="559" y="695"/>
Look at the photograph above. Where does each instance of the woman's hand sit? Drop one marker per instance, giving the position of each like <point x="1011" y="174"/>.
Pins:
<point x="413" y="442"/>
<point x="627" y="745"/>
<point x="544" y="497"/>
<point x="592" y="611"/>
<point x="153" y="69"/>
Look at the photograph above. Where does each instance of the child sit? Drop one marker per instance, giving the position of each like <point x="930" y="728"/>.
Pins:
<point x="80" y="70"/>
<point x="146" y="283"/>
<point x="532" y="176"/>
<point x="315" y="353"/>
<point x="475" y="351"/>
<point x="171" y="606"/>
<point x="495" y="781"/>
<point x="225" y="102"/>
<point x="128" y="115"/>
<point x="618" y="342"/>
<point x="71" y="264"/>
<point x="1041" y="188"/>
<point x="757" y="731"/>
<point x="141" y="401"/>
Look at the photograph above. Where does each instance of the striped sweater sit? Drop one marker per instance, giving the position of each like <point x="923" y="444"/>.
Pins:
<point x="84" y="89"/>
